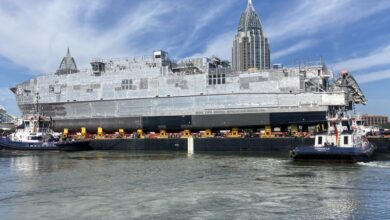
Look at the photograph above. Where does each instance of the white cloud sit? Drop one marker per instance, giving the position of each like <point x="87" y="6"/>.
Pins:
<point x="372" y="77"/>
<point x="221" y="47"/>
<point x="37" y="34"/>
<point x="376" y="58"/>
<point x="312" y="16"/>
<point x="204" y="20"/>
<point x="294" y="48"/>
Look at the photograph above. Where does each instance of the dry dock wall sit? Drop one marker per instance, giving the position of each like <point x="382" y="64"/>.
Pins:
<point x="203" y="144"/>
<point x="218" y="144"/>
<point x="250" y="144"/>
<point x="382" y="144"/>
<point x="140" y="144"/>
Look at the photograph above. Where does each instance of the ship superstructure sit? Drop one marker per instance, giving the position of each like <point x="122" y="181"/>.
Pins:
<point x="157" y="93"/>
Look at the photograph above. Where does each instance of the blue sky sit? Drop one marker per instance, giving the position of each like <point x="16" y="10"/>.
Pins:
<point x="347" y="34"/>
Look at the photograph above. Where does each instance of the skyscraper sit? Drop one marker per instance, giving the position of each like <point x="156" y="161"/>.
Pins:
<point x="68" y="65"/>
<point x="251" y="49"/>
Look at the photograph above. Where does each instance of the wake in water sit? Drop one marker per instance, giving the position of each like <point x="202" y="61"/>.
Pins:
<point x="377" y="164"/>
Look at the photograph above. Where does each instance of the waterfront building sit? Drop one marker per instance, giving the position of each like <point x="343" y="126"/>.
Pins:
<point x="375" y="120"/>
<point x="251" y="49"/>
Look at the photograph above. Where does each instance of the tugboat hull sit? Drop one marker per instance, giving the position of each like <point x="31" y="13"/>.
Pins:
<point x="6" y="143"/>
<point x="351" y="154"/>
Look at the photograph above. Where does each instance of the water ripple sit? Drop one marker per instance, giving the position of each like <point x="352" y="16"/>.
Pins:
<point x="120" y="185"/>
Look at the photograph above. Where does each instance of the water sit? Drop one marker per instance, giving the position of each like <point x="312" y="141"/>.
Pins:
<point x="122" y="185"/>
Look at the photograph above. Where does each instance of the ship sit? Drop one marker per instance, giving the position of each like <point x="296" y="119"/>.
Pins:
<point x="159" y="93"/>
<point x="155" y="93"/>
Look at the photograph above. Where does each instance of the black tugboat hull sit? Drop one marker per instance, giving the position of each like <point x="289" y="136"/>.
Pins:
<point x="333" y="153"/>
<point x="7" y="144"/>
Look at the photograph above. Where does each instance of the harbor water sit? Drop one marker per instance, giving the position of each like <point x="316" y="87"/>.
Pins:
<point x="167" y="185"/>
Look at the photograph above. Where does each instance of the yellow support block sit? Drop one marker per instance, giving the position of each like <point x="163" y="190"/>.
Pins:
<point x="140" y="134"/>
<point x="186" y="134"/>
<point x="163" y="134"/>
<point x="294" y="130"/>
<point x="234" y="133"/>
<point x="121" y="132"/>
<point x="83" y="133"/>
<point x="100" y="133"/>
<point x="66" y="132"/>
<point x="268" y="132"/>
<point x="208" y="134"/>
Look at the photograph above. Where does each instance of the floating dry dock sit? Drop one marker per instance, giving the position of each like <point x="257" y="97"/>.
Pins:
<point x="194" y="145"/>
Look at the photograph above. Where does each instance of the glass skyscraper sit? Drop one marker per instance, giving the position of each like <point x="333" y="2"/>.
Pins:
<point x="251" y="49"/>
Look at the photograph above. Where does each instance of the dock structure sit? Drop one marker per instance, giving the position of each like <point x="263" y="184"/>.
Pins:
<point x="193" y="146"/>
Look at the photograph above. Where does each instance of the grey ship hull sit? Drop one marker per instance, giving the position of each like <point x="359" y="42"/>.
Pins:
<point x="178" y="113"/>
<point x="193" y="122"/>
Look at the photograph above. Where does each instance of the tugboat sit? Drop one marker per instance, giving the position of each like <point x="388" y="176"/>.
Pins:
<point x="344" y="141"/>
<point x="34" y="133"/>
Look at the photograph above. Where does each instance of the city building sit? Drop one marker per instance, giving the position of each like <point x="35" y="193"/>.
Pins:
<point x="375" y="120"/>
<point x="68" y="65"/>
<point x="251" y="49"/>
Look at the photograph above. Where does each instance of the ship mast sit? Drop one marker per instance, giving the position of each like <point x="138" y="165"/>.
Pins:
<point x="36" y="122"/>
<point x="37" y="103"/>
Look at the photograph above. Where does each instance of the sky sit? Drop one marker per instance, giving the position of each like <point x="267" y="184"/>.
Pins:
<point x="347" y="34"/>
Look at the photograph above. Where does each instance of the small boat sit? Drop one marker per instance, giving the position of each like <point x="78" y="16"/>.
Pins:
<point x="345" y="140"/>
<point x="33" y="134"/>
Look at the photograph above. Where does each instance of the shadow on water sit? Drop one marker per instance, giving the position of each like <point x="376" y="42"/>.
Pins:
<point x="123" y="155"/>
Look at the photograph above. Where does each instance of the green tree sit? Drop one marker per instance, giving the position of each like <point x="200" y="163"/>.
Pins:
<point x="387" y="126"/>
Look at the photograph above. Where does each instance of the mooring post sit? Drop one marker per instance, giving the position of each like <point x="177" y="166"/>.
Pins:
<point x="190" y="145"/>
